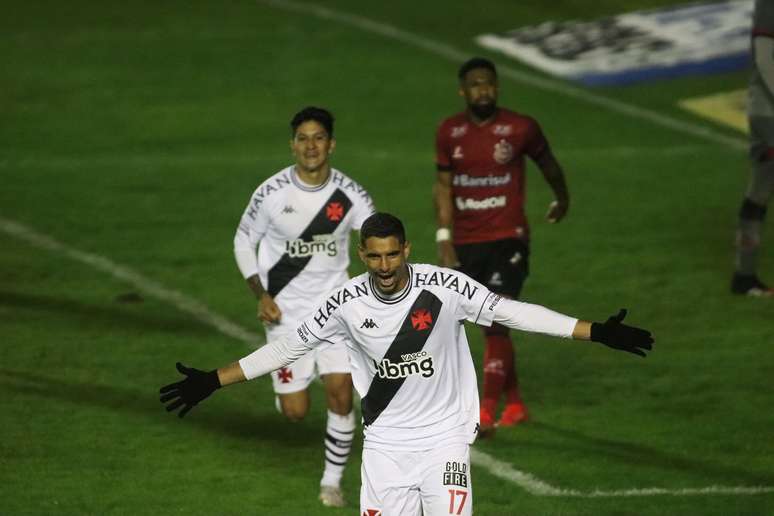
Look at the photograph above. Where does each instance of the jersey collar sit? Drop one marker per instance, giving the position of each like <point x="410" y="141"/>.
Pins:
<point x="395" y="298"/>
<point x="305" y="187"/>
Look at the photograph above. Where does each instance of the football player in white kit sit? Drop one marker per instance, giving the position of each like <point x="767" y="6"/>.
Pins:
<point x="411" y="365"/>
<point x="300" y="219"/>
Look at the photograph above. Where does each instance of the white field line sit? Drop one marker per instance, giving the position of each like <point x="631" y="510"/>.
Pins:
<point x="503" y="470"/>
<point x="458" y="56"/>
<point x="537" y="487"/>
<point x="142" y="283"/>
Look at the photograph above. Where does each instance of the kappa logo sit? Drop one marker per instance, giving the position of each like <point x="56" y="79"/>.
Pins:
<point x="284" y="374"/>
<point x="288" y="209"/>
<point x="372" y="512"/>
<point x="334" y="211"/>
<point x="421" y="319"/>
<point x="458" y="131"/>
<point x="368" y="324"/>
<point x="496" y="280"/>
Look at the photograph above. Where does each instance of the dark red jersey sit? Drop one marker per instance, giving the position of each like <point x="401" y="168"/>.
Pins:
<point x="487" y="167"/>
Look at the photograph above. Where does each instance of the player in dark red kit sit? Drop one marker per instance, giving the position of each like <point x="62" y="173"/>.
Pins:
<point x="479" y="201"/>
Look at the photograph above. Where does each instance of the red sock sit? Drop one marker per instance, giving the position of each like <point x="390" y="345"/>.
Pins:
<point x="498" y="360"/>
<point x="511" y="386"/>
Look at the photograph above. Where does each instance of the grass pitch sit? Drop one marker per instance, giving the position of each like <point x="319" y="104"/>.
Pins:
<point x="137" y="132"/>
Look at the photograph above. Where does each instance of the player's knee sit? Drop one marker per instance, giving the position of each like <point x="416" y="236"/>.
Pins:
<point x="294" y="409"/>
<point x="765" y="154"/>
<point x="340" y="401"/>
<point x="748" y="239"/>
<point x="340" y="404"/>
<point x="294" y="414"/>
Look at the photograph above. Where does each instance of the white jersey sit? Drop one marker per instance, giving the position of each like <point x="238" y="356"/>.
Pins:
<point x="409" y="355"/>
<point x="303" y="232"/>
<point x="410" y="359"/>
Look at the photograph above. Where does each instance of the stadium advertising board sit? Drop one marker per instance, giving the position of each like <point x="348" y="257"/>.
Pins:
<point x="636" y="46"/>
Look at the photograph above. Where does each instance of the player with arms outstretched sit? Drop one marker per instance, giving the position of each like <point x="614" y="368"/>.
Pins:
<point x="411" y="366"/>
<point x="300" y="219"/>
<point x="479" y="196"/>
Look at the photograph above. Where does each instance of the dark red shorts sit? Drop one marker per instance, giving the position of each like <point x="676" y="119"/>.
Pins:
<point x="501" y="265"/>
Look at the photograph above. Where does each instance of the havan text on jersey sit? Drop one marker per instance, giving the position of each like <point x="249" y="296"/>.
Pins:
<point x="448" y="280"/>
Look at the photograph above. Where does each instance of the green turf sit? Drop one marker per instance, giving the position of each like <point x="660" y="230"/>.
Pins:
<point x="137" y="131"/>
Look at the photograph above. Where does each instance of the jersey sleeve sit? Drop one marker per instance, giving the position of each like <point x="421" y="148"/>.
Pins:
<point x="364" y="208"/>
<point x="532" y="318"/>
<point x="272" y="356"/>
<point x="476" y="303"/>
<point x="442" y="154"/>
<point x="536" y="142"/>
<point x="315" y="330"/>
<point x="252" y="228"/>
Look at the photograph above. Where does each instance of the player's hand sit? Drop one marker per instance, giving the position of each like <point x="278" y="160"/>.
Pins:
<point x="197" y="386"/>
<point x="556" y="211"/>
<point x="268" y="311"/>
<point x="447" y="256"/>
<point x="614" y="334"/>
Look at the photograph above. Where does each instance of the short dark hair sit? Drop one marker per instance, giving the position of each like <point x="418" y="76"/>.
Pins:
<point x="473" y="63"/>
<point x="382" y="225"/>
<point x="319" y="115"/>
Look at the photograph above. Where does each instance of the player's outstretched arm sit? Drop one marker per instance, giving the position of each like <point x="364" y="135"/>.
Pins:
<point x="199" y="385"/>
<point x="614" y="334"/>
<point x="187" y="393"/>
<point x="539" y="319"/>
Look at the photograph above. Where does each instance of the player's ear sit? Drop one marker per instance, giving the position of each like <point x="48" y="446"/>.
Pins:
<point x="406" y="249"/>
<point x="361" y="252"/>
<point x="333" y="146"/>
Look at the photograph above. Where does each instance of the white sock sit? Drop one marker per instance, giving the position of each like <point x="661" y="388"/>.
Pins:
<point x="339" y="433"/>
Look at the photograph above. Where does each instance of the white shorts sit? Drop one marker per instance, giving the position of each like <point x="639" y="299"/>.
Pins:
<point x="430" y="483"/>
<point x="325" y="359"/>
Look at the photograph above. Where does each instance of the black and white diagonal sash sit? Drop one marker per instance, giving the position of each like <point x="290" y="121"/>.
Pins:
<point x="289" y="267"/>
<point x="408" y="340"/>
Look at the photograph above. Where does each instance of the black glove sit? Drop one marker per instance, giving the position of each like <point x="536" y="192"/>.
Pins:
<point x="613" y="334"/>
<point x="187" y="393"/>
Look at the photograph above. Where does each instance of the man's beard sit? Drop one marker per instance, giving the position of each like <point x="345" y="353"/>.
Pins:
<point x="484" y="111"/>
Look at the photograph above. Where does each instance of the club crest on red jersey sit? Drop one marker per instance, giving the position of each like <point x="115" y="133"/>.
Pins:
<point x="372" y="512"/>
<point x="503" y="152"/>
<point x="334" y="211"/>
<point x="421" y="319"/>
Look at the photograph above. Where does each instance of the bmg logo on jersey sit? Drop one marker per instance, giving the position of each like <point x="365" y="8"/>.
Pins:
<point x="413" y="363"/>
<point x="322" y="244"/>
